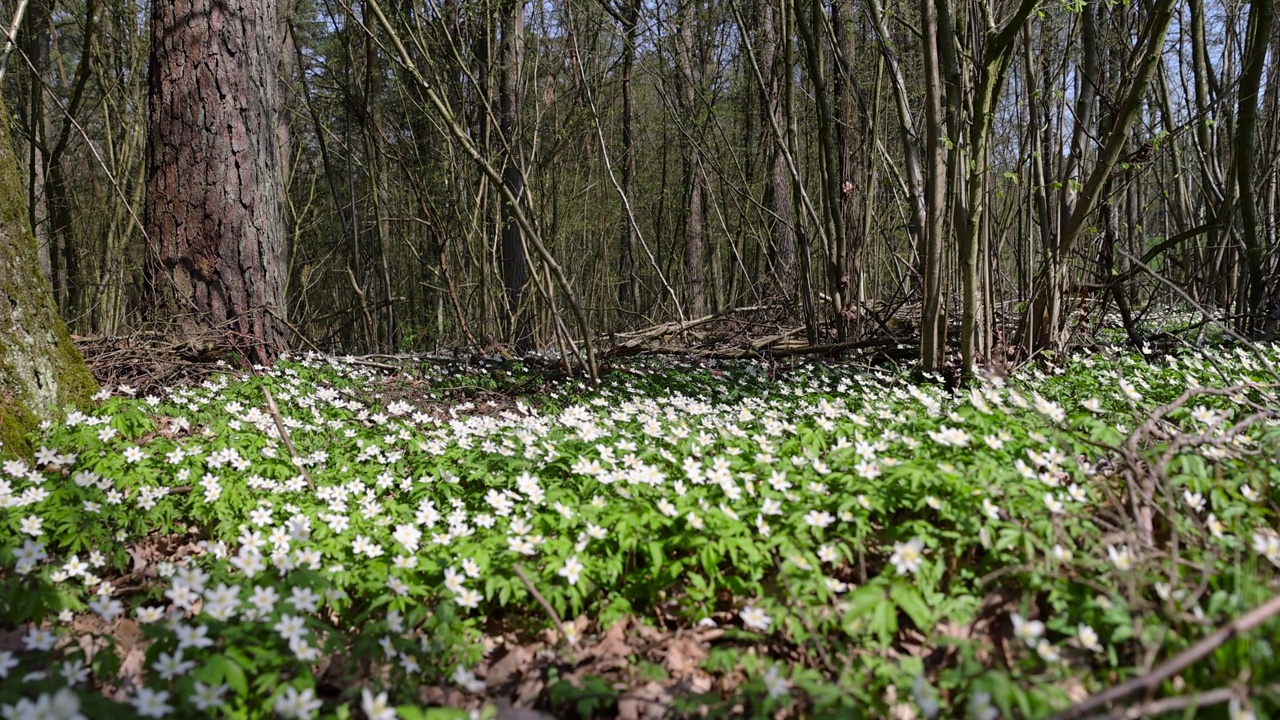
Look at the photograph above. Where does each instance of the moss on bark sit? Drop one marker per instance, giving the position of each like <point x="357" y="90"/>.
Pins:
<point x="41" y="372"/>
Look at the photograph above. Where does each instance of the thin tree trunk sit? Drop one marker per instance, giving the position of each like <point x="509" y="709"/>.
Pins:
<point x="515" y="269"/>
<point x="1261" y="13"/>
<point x="933" y="321"/>
<point x="629" y="289"/>
<point x="911" y="147"/>
<point x="36" y="41"/>
<point x="798" y="201"/>
<point x="1043" y="319"/>
<point x="695" y="213"/>
<point x="832" y="233"/>
<point x="778" y="182"/>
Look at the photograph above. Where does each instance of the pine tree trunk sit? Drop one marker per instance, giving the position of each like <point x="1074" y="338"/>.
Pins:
<point x="40" y="370"/>
<point x="216" y="252"/>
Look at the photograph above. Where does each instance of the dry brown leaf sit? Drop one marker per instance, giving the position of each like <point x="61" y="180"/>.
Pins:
<point x="614" y="642"/>
<point x="1076" y="691"/>
<point x="683" y="654"/>
<point x="647" y="632"/>
<point x="441" y="696"/>
<point x="132" y="664"/>
<point x="11" y="640"/>
<point x="611" y="652"/>
<point x="507" y="711"/>
<point x="529" y="689"/>
<point x="649" y="702"/>
<point x="515" y="663"/>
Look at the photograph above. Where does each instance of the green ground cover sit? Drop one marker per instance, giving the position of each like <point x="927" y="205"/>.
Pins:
<point x="690" y="538"/>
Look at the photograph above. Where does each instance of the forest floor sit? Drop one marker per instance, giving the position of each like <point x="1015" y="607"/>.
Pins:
<point x="336" y="537"/>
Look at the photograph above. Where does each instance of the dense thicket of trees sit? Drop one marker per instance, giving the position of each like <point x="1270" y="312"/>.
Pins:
<point x="995" y="172"/>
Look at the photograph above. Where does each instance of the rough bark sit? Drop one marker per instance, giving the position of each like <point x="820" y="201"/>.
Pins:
<point x="376" y="162"/>
<point x="851" y="124"/>
<point x="1271" y="186"/>
<point x="40" y="370"/>
<point x="216" y="252"/>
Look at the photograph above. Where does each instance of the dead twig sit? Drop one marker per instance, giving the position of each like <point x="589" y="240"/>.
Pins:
<point x="555" y="616"/>
<point x="1194" y="701"/>
<point x="1176" y="664"/>
<point x="637" y="337"/>
<point x="284" y="435"/>
<point x="1162" y="706"/>
<point x="372" y="364"/>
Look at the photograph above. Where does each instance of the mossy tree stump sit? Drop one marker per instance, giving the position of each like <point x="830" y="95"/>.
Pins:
<point x="41" y="372"/>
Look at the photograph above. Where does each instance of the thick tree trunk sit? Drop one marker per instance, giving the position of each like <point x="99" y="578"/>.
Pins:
<point x="989" y="69"/>
<point x="216" y="252"/>
<point x="40" y="370"/>
<point x="1271" y="185"/>
<point x="376" y="162"/>
<point x="851" y="135"/>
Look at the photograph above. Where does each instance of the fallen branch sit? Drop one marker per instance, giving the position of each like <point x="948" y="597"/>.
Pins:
<point x="756" y="350"/>
<point x="1162" y="706"/>
<point x="284" y="435"/>
<point x="555" y="616"/>
<point x="1175" y="664"/>
<point x="372" y="364"/>
<point x="656" y="331"/>
<point x="838" y="347"/>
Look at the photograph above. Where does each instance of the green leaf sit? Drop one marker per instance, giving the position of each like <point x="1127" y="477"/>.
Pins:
<point x="864" y="599"/>
<point x="656" y="555"/>
<point x="884" y="622"/>
<point x="909" y="599"/>
<point x="409" y="712"/>
<point x="220" y="668"/>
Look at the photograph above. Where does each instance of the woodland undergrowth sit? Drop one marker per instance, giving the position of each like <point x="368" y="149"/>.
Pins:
<point x="424" y="538"/>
